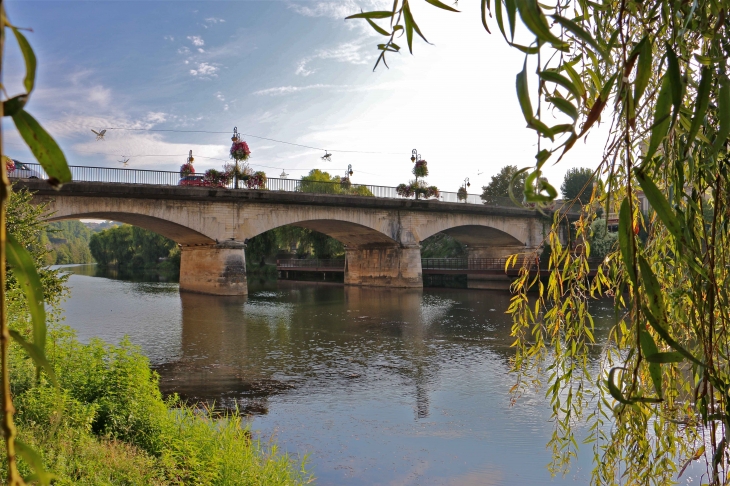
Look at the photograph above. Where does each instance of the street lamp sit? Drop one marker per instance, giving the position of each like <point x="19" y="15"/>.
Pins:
<point x="235" y="138"/>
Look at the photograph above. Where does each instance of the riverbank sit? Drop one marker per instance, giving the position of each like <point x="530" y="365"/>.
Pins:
<point x="108" y="423"/>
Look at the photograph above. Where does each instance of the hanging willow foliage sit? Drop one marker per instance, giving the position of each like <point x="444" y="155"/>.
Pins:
<point x="656" y="71"/>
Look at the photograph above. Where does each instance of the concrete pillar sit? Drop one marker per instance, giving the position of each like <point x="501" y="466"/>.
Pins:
<point x="384" y="267"/>
<point x="214" y="269"/>
<point x="495" y="281"/>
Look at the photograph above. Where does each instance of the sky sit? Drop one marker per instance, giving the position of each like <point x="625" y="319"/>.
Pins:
<point x="292" y="71"/>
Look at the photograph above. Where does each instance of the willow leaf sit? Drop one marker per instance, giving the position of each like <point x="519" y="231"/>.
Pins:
<point x="648" y="346"/>
<point x="661" y="118"/>
<point x="703" y="101"/>
<point x="565" y="106"/>
<point x="25" y="272"/>
<point x="378" y="14"/>
<point x="30" y="60"/>
<point x="626" y="238"/>
<point x="723" y="114"/>
<point x="660" y="204"/>
<point x="437" y="3"/>
<point x="44" y="148"/>
<point x="643" y="69"/>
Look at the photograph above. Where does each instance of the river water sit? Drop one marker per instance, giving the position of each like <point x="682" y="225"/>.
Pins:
<point x="375" y="386"/>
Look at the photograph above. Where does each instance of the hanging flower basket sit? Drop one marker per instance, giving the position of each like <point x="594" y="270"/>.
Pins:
<point x="257" y="180"/>
<point x="461" y="194"/>
<point x="187" y="169"/>
<point x="420" y="169"/>
<point x="217" y="178"/>
<point x="9" y="165"/>
<point x="417" y="188"/>
<point x="240" y="151"/>
<point x="405" y="190"/>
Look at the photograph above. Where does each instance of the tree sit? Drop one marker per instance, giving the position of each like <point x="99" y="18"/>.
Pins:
<point x="656" y="74"/>
<point x="577" y="184"/>
<point x="322" y="182"/>
<point x="602" y="241"/>
<point x="499" y="186"/>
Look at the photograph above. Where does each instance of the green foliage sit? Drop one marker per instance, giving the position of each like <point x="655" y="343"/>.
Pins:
<point x="602" y="241"/>
<point x="577" y="184"/>
<point x="24" y="223"/>
<point x="442" y="245"/>
<point x="304" y="241"/>
<point x="499" y="186"/>
<point x="261" y="247"/>
<point x="67" y="242"/>
<point x="133" y="247"/>
<point x="321" y="182"/>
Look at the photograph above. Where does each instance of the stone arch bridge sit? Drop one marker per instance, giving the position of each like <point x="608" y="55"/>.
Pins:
<point x="381" y="236"/>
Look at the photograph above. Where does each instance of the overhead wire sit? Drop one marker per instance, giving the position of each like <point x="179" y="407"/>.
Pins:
<point x="253" y="136"/>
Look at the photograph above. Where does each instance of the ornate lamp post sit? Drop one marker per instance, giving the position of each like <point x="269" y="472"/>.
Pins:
<point x="235" y="138"/>
<point x="415" y="157"/>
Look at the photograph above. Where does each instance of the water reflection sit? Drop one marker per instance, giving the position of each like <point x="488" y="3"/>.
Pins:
<point x="239" y="351"/>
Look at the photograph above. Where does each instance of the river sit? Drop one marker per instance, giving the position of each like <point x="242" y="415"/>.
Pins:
<point x="375" y="386"/>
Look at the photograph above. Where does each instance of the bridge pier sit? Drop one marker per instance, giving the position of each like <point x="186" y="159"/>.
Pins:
<point x="384" y="267"/>
<point x="218" y="269"/>
<point x="491" y="282"/>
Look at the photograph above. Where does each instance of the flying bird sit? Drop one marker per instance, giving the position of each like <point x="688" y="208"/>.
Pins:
<point x="124" y="161"/>
<point x="99" y="135"/>
<point x="480" y="173"/>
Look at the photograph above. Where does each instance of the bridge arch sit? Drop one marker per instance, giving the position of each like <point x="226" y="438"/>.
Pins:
<point x="352" y="235"/>
<point x="480" y="231"/>
<point x="176" y="232"/>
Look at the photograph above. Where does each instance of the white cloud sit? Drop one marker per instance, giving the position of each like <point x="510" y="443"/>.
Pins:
<point x="99" y="94"/>
<point x="220" y="96"/>
<point x="156" y="117"/>
<point x="183" y="50"/>
<point x="349" y="52"/>
<point x="204" y="69"/>
<point x="302" y="68"/>
<point x="196" y="40"/>
<point x="169" y="37"/>
<point x="201" y="50"/>
<point x="339" y="10"/>
<point x="282" y="90"/>
<point x="213" y="20"/>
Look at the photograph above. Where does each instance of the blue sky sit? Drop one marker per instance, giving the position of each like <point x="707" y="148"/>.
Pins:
<point x="287" y="70"/>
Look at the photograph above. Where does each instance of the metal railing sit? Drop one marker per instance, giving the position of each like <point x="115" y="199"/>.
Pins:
<point x="314" y="264"/>
<point x="170" y="178"/>
<point x="490" y="263"/>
